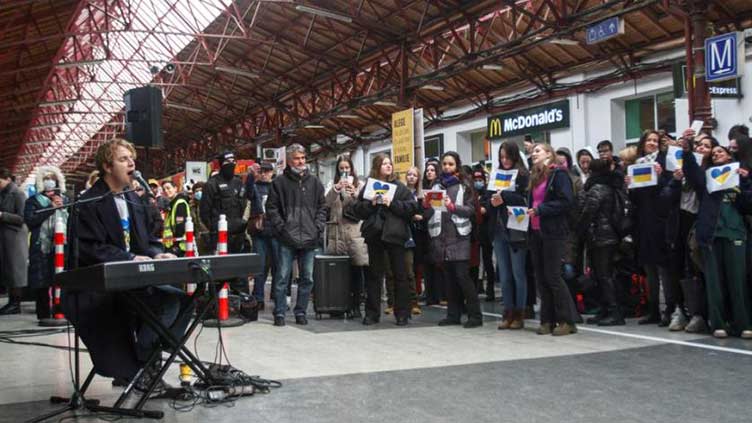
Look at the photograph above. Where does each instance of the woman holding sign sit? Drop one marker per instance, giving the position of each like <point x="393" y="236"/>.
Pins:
<point x="682" y="203"/>
<point x="386" y="207"/>
<point x="650" y="225"/>
<point x="509" y="245"/>
<point x="725" y="194"/>
<point x="449" y="227"/>
<point x="551" y="197"/>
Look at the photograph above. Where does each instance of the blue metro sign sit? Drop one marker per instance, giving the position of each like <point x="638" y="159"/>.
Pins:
<point x="724" y="57"/>
<point x="604" y="30"/>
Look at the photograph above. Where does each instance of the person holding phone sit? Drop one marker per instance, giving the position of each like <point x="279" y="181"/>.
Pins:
<point x="50" y="185"/>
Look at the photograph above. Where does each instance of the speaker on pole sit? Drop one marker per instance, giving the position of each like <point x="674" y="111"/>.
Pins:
<point x="143" y="116"/>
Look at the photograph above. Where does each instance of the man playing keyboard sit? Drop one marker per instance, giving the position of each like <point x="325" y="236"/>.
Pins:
<point x="116" y="228"/>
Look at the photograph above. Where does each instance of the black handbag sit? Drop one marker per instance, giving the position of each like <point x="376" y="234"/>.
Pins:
<point x="373" y="227"/>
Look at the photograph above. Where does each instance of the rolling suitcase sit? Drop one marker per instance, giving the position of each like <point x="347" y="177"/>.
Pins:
<point x="331" y="283"/>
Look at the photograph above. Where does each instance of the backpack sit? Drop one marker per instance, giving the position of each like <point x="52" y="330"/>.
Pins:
<point x="621" y="214"/>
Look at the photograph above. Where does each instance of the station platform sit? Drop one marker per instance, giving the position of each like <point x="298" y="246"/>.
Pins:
<point x="337" y="370"/>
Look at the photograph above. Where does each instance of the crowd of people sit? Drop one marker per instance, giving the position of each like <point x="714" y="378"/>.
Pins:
<point x="592" y="238"/>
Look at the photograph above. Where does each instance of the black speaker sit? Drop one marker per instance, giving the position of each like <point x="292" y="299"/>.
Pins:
<point x="143" y="116"/>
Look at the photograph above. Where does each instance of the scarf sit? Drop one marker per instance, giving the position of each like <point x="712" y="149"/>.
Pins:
<point x="448" y="180"/>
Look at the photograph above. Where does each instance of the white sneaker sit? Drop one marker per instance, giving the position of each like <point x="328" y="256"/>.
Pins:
<point x="746" y="334"/>
<point x="720" y="333"/>
<point x="696" y="325"/>
<point x="678" y="322"/>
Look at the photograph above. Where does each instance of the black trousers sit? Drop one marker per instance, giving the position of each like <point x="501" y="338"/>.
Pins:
<point x="461" y="289"/>
<point x="686" y="284"/>
<point x="433" y="275"/>
<point x="601" y="260"/>
<point x="378" y="254"/>
<point x="557" y="305"/>
<point x="486" y="250"/>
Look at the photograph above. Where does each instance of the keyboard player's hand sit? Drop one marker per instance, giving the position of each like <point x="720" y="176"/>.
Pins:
<point x="165" y="256"/>
<point x="141" y="258"/>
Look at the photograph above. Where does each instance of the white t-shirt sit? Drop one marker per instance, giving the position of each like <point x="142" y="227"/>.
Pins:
<point x="125" y="221"/>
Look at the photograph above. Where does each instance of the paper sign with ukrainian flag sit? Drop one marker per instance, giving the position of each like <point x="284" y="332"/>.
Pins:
<point x="435" y="198"/>
<point x="675" y="158"/>
<point x="642" y="175"/>
<point x="375" y="188"/>
<point x="518" y="218"/>
<point x="502" y="180"/>
<point x="719" y="178"/>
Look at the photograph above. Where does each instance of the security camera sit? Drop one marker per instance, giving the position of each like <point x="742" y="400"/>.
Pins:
<point x="154" y="70"/>
<point x="169" y="68"/>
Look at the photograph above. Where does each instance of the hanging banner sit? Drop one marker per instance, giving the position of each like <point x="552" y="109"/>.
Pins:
<point x="518" y="220"/>
<point x="722" y="177"/>
<point x="196" y="172"/>
<point x="642" y="175"/>
<point x="403" y="145"/>
<point x="420" y="154"/>
<point x="674" y="158"/>
<point x="502" y="180"/>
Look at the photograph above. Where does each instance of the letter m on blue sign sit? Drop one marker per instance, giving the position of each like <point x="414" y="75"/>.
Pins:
<point x="722" y="55"/>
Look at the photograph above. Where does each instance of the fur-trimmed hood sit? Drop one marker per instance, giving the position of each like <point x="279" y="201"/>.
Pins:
<point x="42" y="171"/>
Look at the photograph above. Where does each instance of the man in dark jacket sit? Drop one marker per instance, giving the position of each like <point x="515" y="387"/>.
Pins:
<point x="14" y="244"/>
<point x="297" y="212"/>
<point x="116" y="228"/>
<point x="224" y="193"/>
<point x="264" y="242"/>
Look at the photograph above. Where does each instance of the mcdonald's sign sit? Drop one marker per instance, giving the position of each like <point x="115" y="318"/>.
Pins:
<point x="548" y="116"/>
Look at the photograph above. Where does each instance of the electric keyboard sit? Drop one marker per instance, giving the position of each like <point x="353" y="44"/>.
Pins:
<point x="125" y="275"/>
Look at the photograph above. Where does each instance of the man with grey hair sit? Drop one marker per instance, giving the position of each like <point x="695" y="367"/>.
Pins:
<point x="297" y="212"/>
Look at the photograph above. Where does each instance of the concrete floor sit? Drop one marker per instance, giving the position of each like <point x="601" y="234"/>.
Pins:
<point x="338" y="370"/>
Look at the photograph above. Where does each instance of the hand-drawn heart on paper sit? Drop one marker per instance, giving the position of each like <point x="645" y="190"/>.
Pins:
<point x="720" y="175"/>
<point x="380" y="189"/>
<point x="519" y="214"/>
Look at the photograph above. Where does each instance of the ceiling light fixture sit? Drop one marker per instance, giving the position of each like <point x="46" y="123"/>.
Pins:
<point x="493" y="67"/>
<point x="314" y="127"/>
<point x="385" y="103"/>
<point x="235" y="71"/>
<point x="324" y="13"/>
<point x="432" y="87"/>
<point x="57" y="103"/>
<point x="564" y="41"/>
<point x="346" y="116"/>
<point x="183" y="107"/>
<point x="65" y="65"/>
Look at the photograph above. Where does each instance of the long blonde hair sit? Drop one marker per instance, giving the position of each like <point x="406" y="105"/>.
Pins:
<point x="541" y="171"/>
<point x="418" y="184"/>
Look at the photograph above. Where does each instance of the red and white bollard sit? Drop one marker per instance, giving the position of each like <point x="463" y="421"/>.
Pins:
<point x="190" y="251"/>
<point x="223" y="303"/>
<point x="56" y="308"/>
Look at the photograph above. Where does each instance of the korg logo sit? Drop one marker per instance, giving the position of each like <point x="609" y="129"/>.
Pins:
<point x="146" y="267"/>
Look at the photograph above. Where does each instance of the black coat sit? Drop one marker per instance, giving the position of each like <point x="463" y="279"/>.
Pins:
<point x="14" y="238"/>
<point x="101" y="319"/>
<point x="650" y="220"/>
<point x="262" y="191"/>
<point x="224" y="197"/>
<point x="297" y="210"/>
<point x="396" y="218"/>
<point x="710" y="204"/>
<point x="498" y="216"/>
<point x="41" y="265"/>
<point x="555" y="209"/>
<point x="595" y="209"/>
<point x="449" y="245"/>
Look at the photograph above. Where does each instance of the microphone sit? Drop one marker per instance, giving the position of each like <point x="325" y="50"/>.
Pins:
<point x="141" y="181"/>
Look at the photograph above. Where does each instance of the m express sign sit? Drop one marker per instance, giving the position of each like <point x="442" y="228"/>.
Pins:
<point x="548" y="116"/>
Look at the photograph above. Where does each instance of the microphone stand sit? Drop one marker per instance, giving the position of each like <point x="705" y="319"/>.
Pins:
<point x="77" y="400"/>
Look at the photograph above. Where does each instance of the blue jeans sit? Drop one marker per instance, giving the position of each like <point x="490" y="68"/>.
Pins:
<point x="512" y="275"/>
<point x="268" y="250"/>
<point x="305" y="284"/>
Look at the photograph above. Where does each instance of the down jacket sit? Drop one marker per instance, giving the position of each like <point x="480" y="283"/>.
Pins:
<point x="296" y="210"/>
<point x="343" y="235"/>
<point x="596" y="206"/>
<point x="395" y="227"/>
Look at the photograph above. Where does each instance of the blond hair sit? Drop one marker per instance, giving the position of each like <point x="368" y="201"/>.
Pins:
<point x="106" y="153"/>
<point x="628" y="156"/>
<point x="540" y="171"/>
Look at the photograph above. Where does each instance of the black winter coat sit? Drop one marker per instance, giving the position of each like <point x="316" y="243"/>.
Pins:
<point x="710" y="204"/>
<point x="41" y="266"/>
<point x="498" y="216"/>
<point x="650" y="220"/>
<point x="396" y="218"/>
<point x="224" y="197"/>
<point x="555" y="209"/>
<point x="450" y="246"/>
<point x="595" y="207"/>
<point x="297" y="210"/>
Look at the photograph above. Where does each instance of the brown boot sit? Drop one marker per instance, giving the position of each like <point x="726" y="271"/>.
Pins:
<point x="518" y="319"/>
<point x="544" y="329"/>
<point x="564" y="329"/>
<point x="506" y="321"/>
